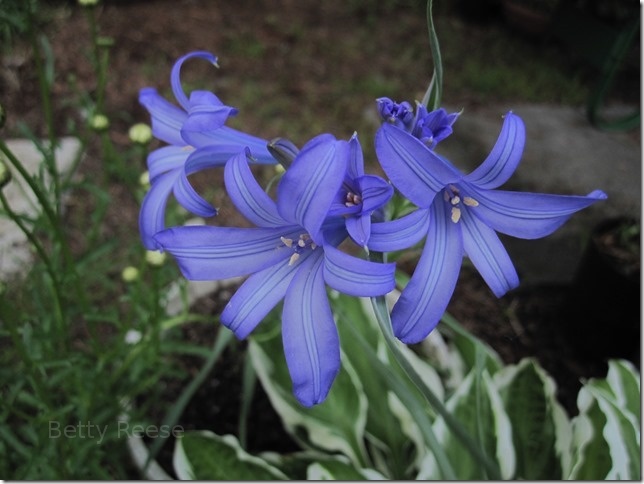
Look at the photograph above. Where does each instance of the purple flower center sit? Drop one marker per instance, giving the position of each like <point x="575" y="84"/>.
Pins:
<point x="299" y="246"/>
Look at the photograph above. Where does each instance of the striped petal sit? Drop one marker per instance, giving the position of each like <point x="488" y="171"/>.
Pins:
<point x="211" y="253"/>
<point x="528" y="215"/>
<point x="257" y="296"/>
<point x="357" y="277"/>
<point x="504" y="157"/>
<point x="247" y="195"/>
<point x="355" y="166"/>
<point x="175" y="75"/>
<point x="375" y="192"/>
<point x="411" y="166"/>
<point x="189" y="199"/>
<point x="309" y="186"/>
<point x="167" y="118"/>
<point x="309" y="335"/>
<point x="359" y="228"/>
<point x="488" y="255"/>
<point x="165" y="159"/>
<point x="152" y="214"/>
<point x="401" y="233"/>
<point x="425" y="298"/>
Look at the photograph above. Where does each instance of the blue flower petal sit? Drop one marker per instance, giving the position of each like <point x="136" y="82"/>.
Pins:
<point x="190" y="199"/>
<point x="309" y="186"/>
<point x="357" y="277"/>
<point x="401" y="233"/>
<point x="504" y="157"/>
<point x="175" y="75"/>
<point x="247" y="195"/>
<point x="411" y="166"/>
<point x="152" y="214"/>
<point x="309" y="335"/>
<point x="257" y="296"/>
<point x="206" y="115"/>
<point x="485" y="250"/>
<point x="208" y="253"/>
<point x="375" y="192"/>
<point x="529" y="215"/>
<point x="165" y="159"/>
<point x="355" y="167"/>
<point x="359" y="228"/>
<point x="425" y="298"/>
<point x="167" y="119"/>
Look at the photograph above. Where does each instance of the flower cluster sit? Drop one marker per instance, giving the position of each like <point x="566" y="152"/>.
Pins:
<point x="323" y="199"/>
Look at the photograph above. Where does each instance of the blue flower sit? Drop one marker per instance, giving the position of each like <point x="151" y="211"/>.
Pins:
<point x="197" y="138"/>
<point x="360" y="196"/>
<point x="461" y="214"/>
<point x="429" y="127"/>
<point x="291" y="254"/>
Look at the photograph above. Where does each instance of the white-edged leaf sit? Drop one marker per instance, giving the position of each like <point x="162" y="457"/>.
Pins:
<point x="337" y="424"/>
<point x="624" y="380"/>
<point x="484" y="417"/>
<point x="338" y="469"/>
<point x="204" y="455"/>
<point x="541" y="430"/>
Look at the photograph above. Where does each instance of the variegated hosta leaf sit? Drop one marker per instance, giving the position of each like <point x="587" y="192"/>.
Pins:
<point x="606" y="439"/>
<point x="477" y="405"/>
<point x="337" y="424"/>
<point x="203" y="455"/>
<point x="339" y="469"/>
<point x="541" y="430"/>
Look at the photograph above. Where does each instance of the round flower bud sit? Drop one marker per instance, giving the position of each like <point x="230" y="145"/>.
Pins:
<point x="130" y="274"/>
<point x="99" y="122"/>
<point x="140" y="133"/>
<point x="144" y="179"/>
<point x="87" y="3"/>
<point x="155" y="257"/>
<point x="133" y="336"/>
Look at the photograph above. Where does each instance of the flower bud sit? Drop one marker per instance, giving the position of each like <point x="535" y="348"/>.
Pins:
<point x="87" y="3"/>
<point x="155" y="257"/>
<point x="130" y="274"/>
<point x="99" y="122"/>
<point x="140" y="133"/>
<point x="133" y="336"/>
<point x="144" y="180"/>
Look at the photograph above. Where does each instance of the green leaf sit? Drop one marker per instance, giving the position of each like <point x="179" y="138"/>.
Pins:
<point x="540" y="427"/>
<point x="624" y="380"/>
<point x="337" y="424"/>
<point x="204" y="455"/>
<point x="481" y="413"/>
<point x="338" y="469"/>
<point x="591" y="454"/>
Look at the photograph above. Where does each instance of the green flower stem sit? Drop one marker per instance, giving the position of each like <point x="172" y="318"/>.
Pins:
<point x="40" y="250"/>
<point x="382" y="316"/>
<point x="434" y="93"/>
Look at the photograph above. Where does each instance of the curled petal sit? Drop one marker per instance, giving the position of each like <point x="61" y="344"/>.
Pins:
<point x="167" y="118"/>
<point x="529" y="215"/>
<point x="175" y="75"/>
<point x="375" y="192"/>
<point x="257" y="296"/>
<point x="211" y="253"/>
<point x="425" y="298"/>
<point x="309" y="186"/>
<point x="206" y="114"/>
<point x="488" y="255"/>
<point x="401" y="233"/>
<point x="166" y="159"/>
<point x="504" y="157"/>
<point x="359" y="228"/>
<point x="152" y="214"/>
<point x="357" y="277"/>
<point x="309" y="335"/>
<point x="211" y="156"/>
<point x="190" y="199"/>
<point x="247" y="195"/>
<point x="411" y="166"/>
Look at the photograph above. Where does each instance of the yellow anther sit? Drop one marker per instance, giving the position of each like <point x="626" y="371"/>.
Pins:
<point x="313" y="245"/>
<point x="456" y="200"/>
<point x="470" y="202"/>
<point x="287" y="242"/>
<point x="301" y="242"/>
<point x="293" y="259"/>
<point x="456" y="214"/>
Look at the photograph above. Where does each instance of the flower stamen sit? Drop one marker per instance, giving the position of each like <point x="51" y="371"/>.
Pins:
<point x="470" y="202"/>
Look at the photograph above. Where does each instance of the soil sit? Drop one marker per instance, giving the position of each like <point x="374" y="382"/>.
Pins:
<point x="265" y="54"/>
